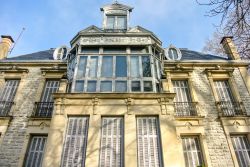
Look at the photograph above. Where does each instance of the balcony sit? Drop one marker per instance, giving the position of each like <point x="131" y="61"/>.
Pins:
<point x="230" y="108"/>
<point x="5" y="107"/>
<point x="43" y="109"/>
<point x="183" y="109"/>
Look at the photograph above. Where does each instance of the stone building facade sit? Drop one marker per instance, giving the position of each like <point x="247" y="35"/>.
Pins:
<point x="117" y="97"/>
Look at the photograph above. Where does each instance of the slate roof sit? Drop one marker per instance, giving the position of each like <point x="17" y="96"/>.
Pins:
<point x="41" y="55"/>
<point x="194" y="55"/>
<point x="48" y="55"/>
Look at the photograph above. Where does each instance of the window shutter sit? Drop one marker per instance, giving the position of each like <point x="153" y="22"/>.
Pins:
<point x="192" y="151"/>
<point x="112" y="142"/>
<point x="148" y="141"/>
<point x="9" y="90"/>
<point x="242" y="150"/>
<point x="35" y="151"/>
<point x="223" y="90"/>
<point x="74" y="152"/>
<point x="50" y="88"/>
<point x="182" y="91"/>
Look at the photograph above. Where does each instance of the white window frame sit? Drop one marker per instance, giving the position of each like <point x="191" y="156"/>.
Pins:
<point x="115" y="24"/>
<point x="128" y="79"/>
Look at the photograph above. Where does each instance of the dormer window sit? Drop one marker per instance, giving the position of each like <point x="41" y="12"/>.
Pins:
<point x="116" y="22"/>
<point x="173" y="53"/>
<point x="116" y="16"/>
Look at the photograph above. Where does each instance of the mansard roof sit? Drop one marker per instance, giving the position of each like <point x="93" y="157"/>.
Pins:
<point x="48" y="55"/>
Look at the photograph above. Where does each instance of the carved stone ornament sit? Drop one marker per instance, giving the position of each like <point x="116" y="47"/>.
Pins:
<point x="188" y="125"/>
<point x="236" y="124"/>
<point x="129" y="102"/>
<point x="43" y="125"/>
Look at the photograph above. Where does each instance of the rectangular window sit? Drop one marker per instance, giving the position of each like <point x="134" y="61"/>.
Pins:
<point x="34" y="155"/>
<point x="9" y="90"/>
<point x="92" y="50"/>
<point x="107" y="66"/>
<point x="182" y="91"/>
<point x="91" y="86"/>
<point x="111" y="153"/>
<point x="110" y="22"/>
<point x="106" y="86"/>
<point x="44" y="108"/>
<point x="135" y="86"/>
<point x="7" y="96"/>
<point x="242" y="149"/>
<point x="223" y="90"/>
<point x="134" y="66"/>
<point x="93" y="62"/>
<point x="121" y="66"/>
<point x="192" y="151"/>
<point x="148" y="142"/>
<point x="146" y="66"/>
<point x="51" y="86"/>
<point x="121" y="86"/>
<point x="228" y="105"/>
<point x="79" y="87"/>
<point x="82" y="67"/>
<point x="74" y="151"/>
<point x="148" y="87"/>
<point x="121" y="22"/>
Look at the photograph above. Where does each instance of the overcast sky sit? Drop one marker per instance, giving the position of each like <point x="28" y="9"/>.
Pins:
<point x="51" y="23"/>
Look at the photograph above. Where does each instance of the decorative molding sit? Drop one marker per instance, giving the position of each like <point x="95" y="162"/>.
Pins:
<point x="163" y="105"/>
<point x="188" y="125"/>
<point x="95" y="102"/>
<point x="129" y="102"/>
<point x="14" y="69"/>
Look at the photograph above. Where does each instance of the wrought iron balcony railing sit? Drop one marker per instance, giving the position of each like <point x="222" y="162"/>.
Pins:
<point x="43" y="109"/>
<point x="5" y="107"/>
<point x="183" y="109"/>
<point x="231" y="108"/>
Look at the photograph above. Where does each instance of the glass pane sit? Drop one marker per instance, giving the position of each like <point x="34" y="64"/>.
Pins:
<point x="90" y="50"/>
<point x="146" y="66"/>
<point x="79" y="86"/>
<point x="110" y="22"/>
<point x="139" y="50"/>
<point x="136" y="86"/>
<point x="93" y="62"/>
<point x="121" y="86"/>
<point x="106" y="86"/>
<point x="107" y="66"/>
<point x="134" y="66"/>
<point x="82" y="67"/>
<point x="121" y="66"/>
<point x="91" y="86"/>
<point x="148" y="86"/>
<point x="121" y="22"/>
<point x="113" y="49"/>
<point x="173" y="53"/>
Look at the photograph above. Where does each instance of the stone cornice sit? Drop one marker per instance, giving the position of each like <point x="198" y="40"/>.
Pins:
<point x="114" y="95"/>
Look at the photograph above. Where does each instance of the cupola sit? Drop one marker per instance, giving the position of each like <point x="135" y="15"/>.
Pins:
<point x="116" y="16"/>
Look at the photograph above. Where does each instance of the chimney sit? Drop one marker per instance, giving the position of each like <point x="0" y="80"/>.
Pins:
<point x="229" y="48"/>
<point x="5" y="46"/>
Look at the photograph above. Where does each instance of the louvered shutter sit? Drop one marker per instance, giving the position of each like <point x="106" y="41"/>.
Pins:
<point x="192" y="151"/>
<point x="111" y="154"/>
<point x="35" y="152"/>
<point x="182" y="91"/>
<point x="148" y="141"/>
<point x="74" y="152"/>
<point x="9" y="90"/>
<point x="223" y="90"/>
<point x="51" y="87"/>
<point x="242" y="150"/>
